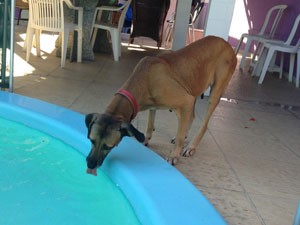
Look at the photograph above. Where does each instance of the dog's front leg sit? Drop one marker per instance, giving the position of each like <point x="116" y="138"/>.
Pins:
<point x="184" y="117"/>
<point x="150" y="125"/>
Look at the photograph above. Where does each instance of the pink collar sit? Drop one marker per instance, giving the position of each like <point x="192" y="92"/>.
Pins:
<point x="132" y="101"/>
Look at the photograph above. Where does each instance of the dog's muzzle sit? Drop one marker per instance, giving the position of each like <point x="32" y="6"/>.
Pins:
<point x="93" y="161"/>
<point x="92" y="165"/>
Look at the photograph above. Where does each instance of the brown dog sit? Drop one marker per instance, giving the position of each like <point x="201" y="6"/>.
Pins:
<point x="170" y="81"/>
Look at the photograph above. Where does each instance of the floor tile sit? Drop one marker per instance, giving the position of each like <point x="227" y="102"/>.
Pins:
<point x="275" y="210"/>
<point x="236" y="208"/>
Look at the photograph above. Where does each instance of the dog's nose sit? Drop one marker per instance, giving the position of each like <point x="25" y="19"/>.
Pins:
<point x="91" y="164"/>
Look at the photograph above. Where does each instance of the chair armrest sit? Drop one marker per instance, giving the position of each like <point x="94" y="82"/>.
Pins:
<point x="272" y="41"/>
<point x="110" y="8"/>
<point x="80" y="15"/>
<point x="79" y="9"/>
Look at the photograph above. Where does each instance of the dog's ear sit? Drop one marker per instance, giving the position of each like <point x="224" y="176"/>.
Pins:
<point x="127" y="129"/>
<point x="89" y="121"/>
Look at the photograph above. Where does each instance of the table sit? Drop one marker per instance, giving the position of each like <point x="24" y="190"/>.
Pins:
<point x="89" y="7"/>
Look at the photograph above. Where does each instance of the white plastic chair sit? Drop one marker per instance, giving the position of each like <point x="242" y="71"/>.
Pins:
<point x="169" y="29"/>
<point x="193" y="17"/>
<point x="113" y="25"/>
<point x="268" y="55"/>
<point x="48" y="15"/>
<point x="277" y="11"/>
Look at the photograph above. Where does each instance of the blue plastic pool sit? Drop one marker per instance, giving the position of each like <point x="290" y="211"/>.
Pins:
<point x="157" y="192"/>
<point x="44" y="183"/>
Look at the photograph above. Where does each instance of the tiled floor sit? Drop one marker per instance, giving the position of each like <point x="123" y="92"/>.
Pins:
<point x="248" y="164"/>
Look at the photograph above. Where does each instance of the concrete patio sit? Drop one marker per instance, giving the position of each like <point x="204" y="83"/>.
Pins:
<point x="248" y="163"/>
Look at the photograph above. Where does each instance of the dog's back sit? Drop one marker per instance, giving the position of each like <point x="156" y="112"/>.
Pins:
<point x="194" y="67"/>
<point x="197" y="63"/>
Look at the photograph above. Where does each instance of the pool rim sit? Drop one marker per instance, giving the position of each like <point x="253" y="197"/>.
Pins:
<point x="139" y="172"/>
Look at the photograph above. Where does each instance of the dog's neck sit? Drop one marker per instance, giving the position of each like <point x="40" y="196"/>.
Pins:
<point x="123" y="105"/>
<point x="132" y="101"/>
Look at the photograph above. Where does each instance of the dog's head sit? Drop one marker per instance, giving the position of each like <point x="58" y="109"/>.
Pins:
<point x="105" y="132"/>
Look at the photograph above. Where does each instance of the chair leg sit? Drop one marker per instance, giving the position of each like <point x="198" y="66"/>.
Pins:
<point x="257" y="67"/>
<point x="193" y="32"/>
<point x="64" y="46"/>
<point x="257" y="51"/>
<point x="255" y="56"/>
<point x="266" y="65"/>
<point x="246" y="50"/>
<point x="79" y="46"/>
<point x="168" y="34"/>
<point x="93" y="36"/>
<point x="291" y="68"/>
<point x="281" y="65"/>
<point x="120" y="45"/>
<point x="27" y="34"/>
<point x="29" y="40"/>
<point x="237" y="49"/>
<point x="189" y="34"/>
<point x="273" y="67"/>
<point x="115" y="41"/>
<point x="273" y="61"/>
<point x="38" y="42"/>
<point x="298" y="69"/>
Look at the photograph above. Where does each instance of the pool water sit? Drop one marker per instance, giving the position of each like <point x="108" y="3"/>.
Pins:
<point x="43" y="181"/>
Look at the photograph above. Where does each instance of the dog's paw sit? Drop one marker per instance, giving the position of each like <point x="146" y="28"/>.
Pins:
<point x="172" y="160"/>
<point x="146" y="141"/>
<point x="187" y="152"/>
<point x="173" y="140"/>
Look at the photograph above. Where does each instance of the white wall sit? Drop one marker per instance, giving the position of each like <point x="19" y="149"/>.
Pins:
<point x="181" y="23"/>
<point x="219" y="18"/>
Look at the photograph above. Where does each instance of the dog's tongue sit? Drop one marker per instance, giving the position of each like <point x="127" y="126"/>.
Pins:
<point x="91" y="171"/>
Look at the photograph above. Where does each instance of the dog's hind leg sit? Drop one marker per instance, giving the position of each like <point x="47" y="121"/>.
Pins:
<point x="215" y="95"/>
<point x="150" y="125"/>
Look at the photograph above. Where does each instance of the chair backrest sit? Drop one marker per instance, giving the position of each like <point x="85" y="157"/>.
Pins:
<point x="293" y="31"/>
<point x="123" y="14"/>
<point x="277" y="10"/>
<point x="47" y="14"/>
<point x="196" y="11"/>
